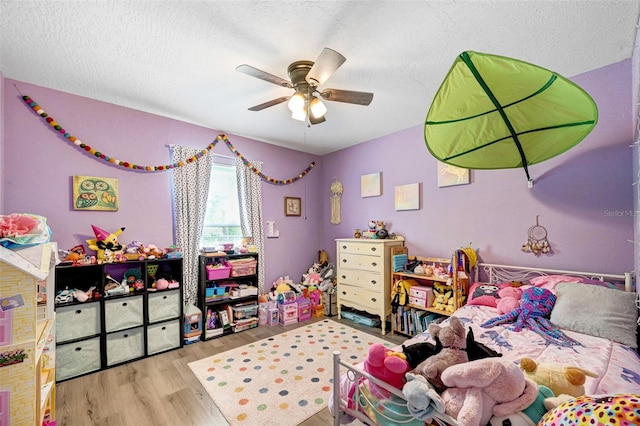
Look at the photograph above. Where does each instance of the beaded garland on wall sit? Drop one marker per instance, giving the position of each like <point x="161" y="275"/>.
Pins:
<point x="132" y="166"/>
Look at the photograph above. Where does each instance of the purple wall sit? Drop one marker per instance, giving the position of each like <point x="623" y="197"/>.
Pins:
<point x="39" y="165"/>
<point x="583" y="197"/>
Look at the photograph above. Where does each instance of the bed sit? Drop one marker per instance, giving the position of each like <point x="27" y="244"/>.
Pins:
<point x="588" y="308"/>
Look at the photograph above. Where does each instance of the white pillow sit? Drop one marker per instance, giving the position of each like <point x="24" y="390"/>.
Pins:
<point x="597" y="311"/>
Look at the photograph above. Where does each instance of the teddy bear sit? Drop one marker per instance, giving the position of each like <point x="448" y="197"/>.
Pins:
<point x="454" y="343"/>
<point x="441" y="299"/>
<point x="106" y="245"/>
<point x="480" y="389"/>
<point x="386" y="365"/>
<point x="561" y="379"/>
<point x="509" y="299"/>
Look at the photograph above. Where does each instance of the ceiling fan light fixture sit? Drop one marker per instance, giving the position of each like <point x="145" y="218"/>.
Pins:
<point x="299" y="115"/>
<point x="317" y="107"/>
<point x="296" y="103"/>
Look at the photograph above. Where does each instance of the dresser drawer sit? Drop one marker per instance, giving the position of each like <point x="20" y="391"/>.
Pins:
<point x="357" y="247"/>
<point x="74" y="359"/>
<point x="367" y="280"/>
<point x="77" y="321"/>
<point x="125" y="345"/>
<point x="357" y="297"/>
<point x="123" y="313"/>
<point x="163" y="336"/>
<point x="361" y="261"/>
<point x="164" y="305"/>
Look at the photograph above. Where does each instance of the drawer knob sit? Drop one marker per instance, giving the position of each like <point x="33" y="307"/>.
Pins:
<point x="344" y="260"/>
<point x="164" y="297"/>
<point x="374" y="264"/>
<point x="373" y="249"/>
<point x="373" y="299"/>
<point x="374" y="282"/>
<point x="124" y="304"/>
<point x="163" y="328"/>
<point x="79" y="311"/>
<point x="78" y="349"/>
<point x="125" y="335"/>
<point x="344" y="247"/>
<point x="344" y="277"/>
<point x="344" y="292"/>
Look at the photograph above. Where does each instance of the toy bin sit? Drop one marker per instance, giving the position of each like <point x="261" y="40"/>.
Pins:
<point x="243" y="266"/>
<point x="244" y="311"/>
<point x="218" y="273"/>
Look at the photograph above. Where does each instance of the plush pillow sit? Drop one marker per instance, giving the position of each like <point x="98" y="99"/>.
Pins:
<point x="597" y="311"/>
<point x="550" y="282"/>
<point x="484" y="294"/>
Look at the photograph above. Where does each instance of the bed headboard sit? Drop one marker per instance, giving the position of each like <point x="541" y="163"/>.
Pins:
<point x="501" y="273"/>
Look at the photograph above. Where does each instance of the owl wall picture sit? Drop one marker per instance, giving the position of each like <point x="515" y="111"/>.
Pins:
<point x="95" y="193"/>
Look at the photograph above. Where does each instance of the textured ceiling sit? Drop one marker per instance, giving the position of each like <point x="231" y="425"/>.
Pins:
<point x="177" y="58"/>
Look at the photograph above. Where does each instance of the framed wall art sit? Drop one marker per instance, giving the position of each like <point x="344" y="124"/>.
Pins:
<point x="407" y="197"/>
<point x="292" y="206"/>
<point x="449" y="175"/>
<point x="370" y="185"/>
<point x="95" y="193"/>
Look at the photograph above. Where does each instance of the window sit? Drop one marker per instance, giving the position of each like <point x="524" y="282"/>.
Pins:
<point x="222" y="219"/>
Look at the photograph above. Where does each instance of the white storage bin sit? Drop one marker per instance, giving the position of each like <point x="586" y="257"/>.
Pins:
<point x="74" y="359"/>
<point x="163" y="336"/>
<point x="77" y="321"/>
<point x="125" y="345"/>
<point x="164" y="305"/>
<point x="123" y="313"/>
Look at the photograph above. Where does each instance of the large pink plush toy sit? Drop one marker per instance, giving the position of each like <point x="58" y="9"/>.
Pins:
<point x="386" y="365"/>
<point x="509" y="299"/>
<point x="481" y="389"/>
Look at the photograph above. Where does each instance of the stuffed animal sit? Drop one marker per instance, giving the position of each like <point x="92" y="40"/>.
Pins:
<point x="423" y="402"/>
<point x="509" y="299"/>
<point x="418" y="352"/>
<point x="530" y="416"/>
<point x="106" y="245"/>
<point x="478" y="390"/>
<point x="441" y="300"/>
<point x="453" y="340"/>
<point x="386" y="365"/>
<point x="327" y="277"/>
<point x="476" y="350"/>
<point x="561" y="379"/>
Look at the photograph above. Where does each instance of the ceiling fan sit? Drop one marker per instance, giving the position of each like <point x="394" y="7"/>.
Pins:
<point x="305" y="78"/>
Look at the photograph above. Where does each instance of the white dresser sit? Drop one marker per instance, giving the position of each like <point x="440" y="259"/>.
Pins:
<point x="364" y="275"/>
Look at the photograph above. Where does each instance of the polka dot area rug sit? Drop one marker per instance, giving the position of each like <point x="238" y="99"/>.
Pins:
<point x="284" y="379"/>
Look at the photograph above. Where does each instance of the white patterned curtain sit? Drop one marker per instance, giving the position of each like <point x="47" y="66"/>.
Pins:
<point x="190" y="193"/>
<point x="250" y="201"/>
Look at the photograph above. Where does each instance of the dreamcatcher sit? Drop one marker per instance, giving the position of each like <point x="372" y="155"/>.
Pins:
<point x="336" y="194"/>
<point x="537" y="242"/>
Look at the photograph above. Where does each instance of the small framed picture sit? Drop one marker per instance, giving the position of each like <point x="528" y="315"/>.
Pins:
<point x="292" y="206"/>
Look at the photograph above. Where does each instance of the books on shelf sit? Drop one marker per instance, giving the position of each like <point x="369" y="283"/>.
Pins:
<point x="412" y="321"/>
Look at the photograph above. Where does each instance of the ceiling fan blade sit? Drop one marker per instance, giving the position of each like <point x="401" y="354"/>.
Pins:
<point x="270" y="103"/>
<point x="326" y="64"/>
<point x="318" y="120"/>
<point x="348" y="96"/>
<point x="262" y="75"/>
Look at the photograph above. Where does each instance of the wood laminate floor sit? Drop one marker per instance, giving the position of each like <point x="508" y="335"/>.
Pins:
<point x="161" y="390"/>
